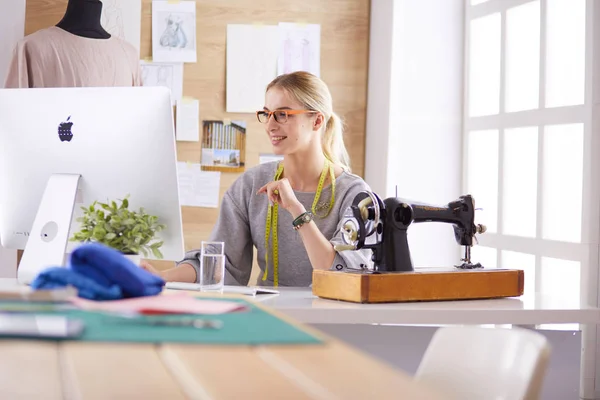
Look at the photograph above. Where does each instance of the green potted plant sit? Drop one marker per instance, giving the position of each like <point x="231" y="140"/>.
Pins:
<point x="113" y="224"/>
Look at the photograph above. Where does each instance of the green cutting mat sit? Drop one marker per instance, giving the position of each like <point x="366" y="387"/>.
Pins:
<point x="252" y="327"/>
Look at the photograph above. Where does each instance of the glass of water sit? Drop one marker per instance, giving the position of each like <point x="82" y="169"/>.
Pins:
<point x="212" y="266"/>
<point x="212" y="248"/>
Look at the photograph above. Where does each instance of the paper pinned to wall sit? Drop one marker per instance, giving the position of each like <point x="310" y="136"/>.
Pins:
<point x="299" y="48"/>
<point x="198" y="188"/>
<point x="251" y="65"/>
<point x="123" y="19"/>
<point x="12" y="29"/>
<point x="164" y="74"/>
<point x="188" y="120"/>
<point x="174" y="31"/>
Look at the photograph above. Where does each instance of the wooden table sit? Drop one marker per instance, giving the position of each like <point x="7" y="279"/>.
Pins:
<point x="84" y="370"/>
<point x="90" y="370"/>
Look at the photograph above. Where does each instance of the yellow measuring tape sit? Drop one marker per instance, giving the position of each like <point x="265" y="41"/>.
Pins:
<point x="273" y="212"/>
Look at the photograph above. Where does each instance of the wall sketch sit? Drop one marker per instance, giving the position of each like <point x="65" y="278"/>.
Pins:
<point x="174" y="31"/>
<point x="122" y="18"/>
<point x="299" y="48"/>
<point x="164" y="74"/>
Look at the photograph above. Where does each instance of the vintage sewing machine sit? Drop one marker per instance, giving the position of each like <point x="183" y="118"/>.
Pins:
<point x="382" y="226"/>
<point x="388" y="221"/>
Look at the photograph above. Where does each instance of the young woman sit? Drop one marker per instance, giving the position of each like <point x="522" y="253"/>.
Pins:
<point x="291" y="211"/>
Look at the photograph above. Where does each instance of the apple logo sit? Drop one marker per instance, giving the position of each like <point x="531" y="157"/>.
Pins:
<point x="64" y="130"/>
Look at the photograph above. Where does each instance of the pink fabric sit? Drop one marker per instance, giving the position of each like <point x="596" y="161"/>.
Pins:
<point x="180" y="303"/>
<point x="53" y="57"/>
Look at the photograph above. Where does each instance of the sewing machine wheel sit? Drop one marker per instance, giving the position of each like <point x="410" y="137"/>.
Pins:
<point x="362" y="219"/>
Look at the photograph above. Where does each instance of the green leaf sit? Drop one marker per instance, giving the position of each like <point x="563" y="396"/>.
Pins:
<point x="156" y="252"/>
<point x="110" y="236"/>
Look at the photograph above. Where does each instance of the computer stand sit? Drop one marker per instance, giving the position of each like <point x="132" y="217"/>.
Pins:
<point x="50" y="231"/>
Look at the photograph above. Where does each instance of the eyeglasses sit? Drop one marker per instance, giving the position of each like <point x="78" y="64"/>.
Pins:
<point x="280" y="116"/>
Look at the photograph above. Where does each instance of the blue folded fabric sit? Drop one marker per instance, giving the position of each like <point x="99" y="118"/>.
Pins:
<point x="59" y="277"/>
<point x="97" y="271"/>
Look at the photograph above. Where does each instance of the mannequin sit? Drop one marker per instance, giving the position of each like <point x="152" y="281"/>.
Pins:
<point x="76" y="52"/>
<point x="82" y="18"/>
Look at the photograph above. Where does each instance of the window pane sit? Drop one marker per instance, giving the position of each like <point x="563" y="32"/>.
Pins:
<point x="565" y="52"/>
<point x="487" y="256"/>
<point x="563" y="174"/>
<point x="482" y="176"/>
<point x="484" y="66"/>
<point x="520" y="181"/>
<point x="523" y="57"/>
<point x="560" y="277"/>
<point x="526" y="262"/>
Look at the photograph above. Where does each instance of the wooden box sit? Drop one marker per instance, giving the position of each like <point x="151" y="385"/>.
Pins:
<point x="420" y="285"/>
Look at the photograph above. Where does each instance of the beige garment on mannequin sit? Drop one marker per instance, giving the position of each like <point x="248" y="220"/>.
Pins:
<point x="53" y="57"/>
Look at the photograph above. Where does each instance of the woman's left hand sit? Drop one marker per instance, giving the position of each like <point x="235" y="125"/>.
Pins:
<point x="281" y="192"/>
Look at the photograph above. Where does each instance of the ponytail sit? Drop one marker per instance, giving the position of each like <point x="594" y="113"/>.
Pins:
<point x="333" y="143"/>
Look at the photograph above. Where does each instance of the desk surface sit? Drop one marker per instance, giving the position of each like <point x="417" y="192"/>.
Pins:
<point x="117" y="371"/>
<point x="332" y="370"/>
<point x="530" y="309"/>
<point x="302" y="305"/>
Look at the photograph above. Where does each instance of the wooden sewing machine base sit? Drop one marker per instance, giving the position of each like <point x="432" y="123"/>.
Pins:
<point x="420" y="285"/>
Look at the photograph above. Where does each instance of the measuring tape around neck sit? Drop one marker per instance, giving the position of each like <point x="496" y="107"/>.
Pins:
<point x="273" y="212"/>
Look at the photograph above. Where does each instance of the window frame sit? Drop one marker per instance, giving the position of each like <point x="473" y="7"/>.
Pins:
<point x="586" y="251"/>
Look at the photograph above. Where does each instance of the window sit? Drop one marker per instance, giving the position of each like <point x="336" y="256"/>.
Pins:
<point x="524" y="135"/>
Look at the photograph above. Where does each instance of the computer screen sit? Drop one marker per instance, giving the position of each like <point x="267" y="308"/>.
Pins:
<point x="117" y="141"/>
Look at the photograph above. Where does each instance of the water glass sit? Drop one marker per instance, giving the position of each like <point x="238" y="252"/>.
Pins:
<point x="212" y="266"/>
<point x="212" y="248"/>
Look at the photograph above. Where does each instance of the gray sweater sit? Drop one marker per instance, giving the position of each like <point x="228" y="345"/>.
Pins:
<point x="242" y="220"/>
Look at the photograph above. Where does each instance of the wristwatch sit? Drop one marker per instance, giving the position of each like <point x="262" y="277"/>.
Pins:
<point x="302" y="219"/>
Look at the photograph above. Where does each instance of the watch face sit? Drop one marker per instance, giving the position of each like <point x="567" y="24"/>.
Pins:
<point x="307" y="218"/>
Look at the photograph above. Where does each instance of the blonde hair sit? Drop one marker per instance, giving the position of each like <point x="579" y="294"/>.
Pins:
<point x="313" y="94"/>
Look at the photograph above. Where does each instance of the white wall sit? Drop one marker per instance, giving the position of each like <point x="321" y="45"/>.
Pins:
<point x="12" y="27"/>
<point x="379" y="95"/>
<point x="415" y="107"/>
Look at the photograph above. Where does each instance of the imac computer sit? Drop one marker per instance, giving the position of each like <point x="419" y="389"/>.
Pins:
<point x="63" y="148"/>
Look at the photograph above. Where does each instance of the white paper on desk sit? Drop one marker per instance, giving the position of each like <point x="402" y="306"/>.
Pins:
<point x="12" y="29"/>
<point x="174" y="31"/>
<point x="123" y="19"/>
<point x="251" y="65"/>
<point x="198" y="188"/>
<point x="299" y="48"/>
<point x="164" y="74"/>
<point x="265" y="158"/>
<point x="188" y="120"/>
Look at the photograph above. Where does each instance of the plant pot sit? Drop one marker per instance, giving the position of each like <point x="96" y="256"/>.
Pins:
<point x="134" y="258"/>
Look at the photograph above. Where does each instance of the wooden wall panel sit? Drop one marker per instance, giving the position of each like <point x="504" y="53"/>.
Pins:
<point x="344" y="62"/>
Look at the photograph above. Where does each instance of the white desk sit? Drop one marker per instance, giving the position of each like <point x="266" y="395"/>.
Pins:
<point x="302" y="305"/>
